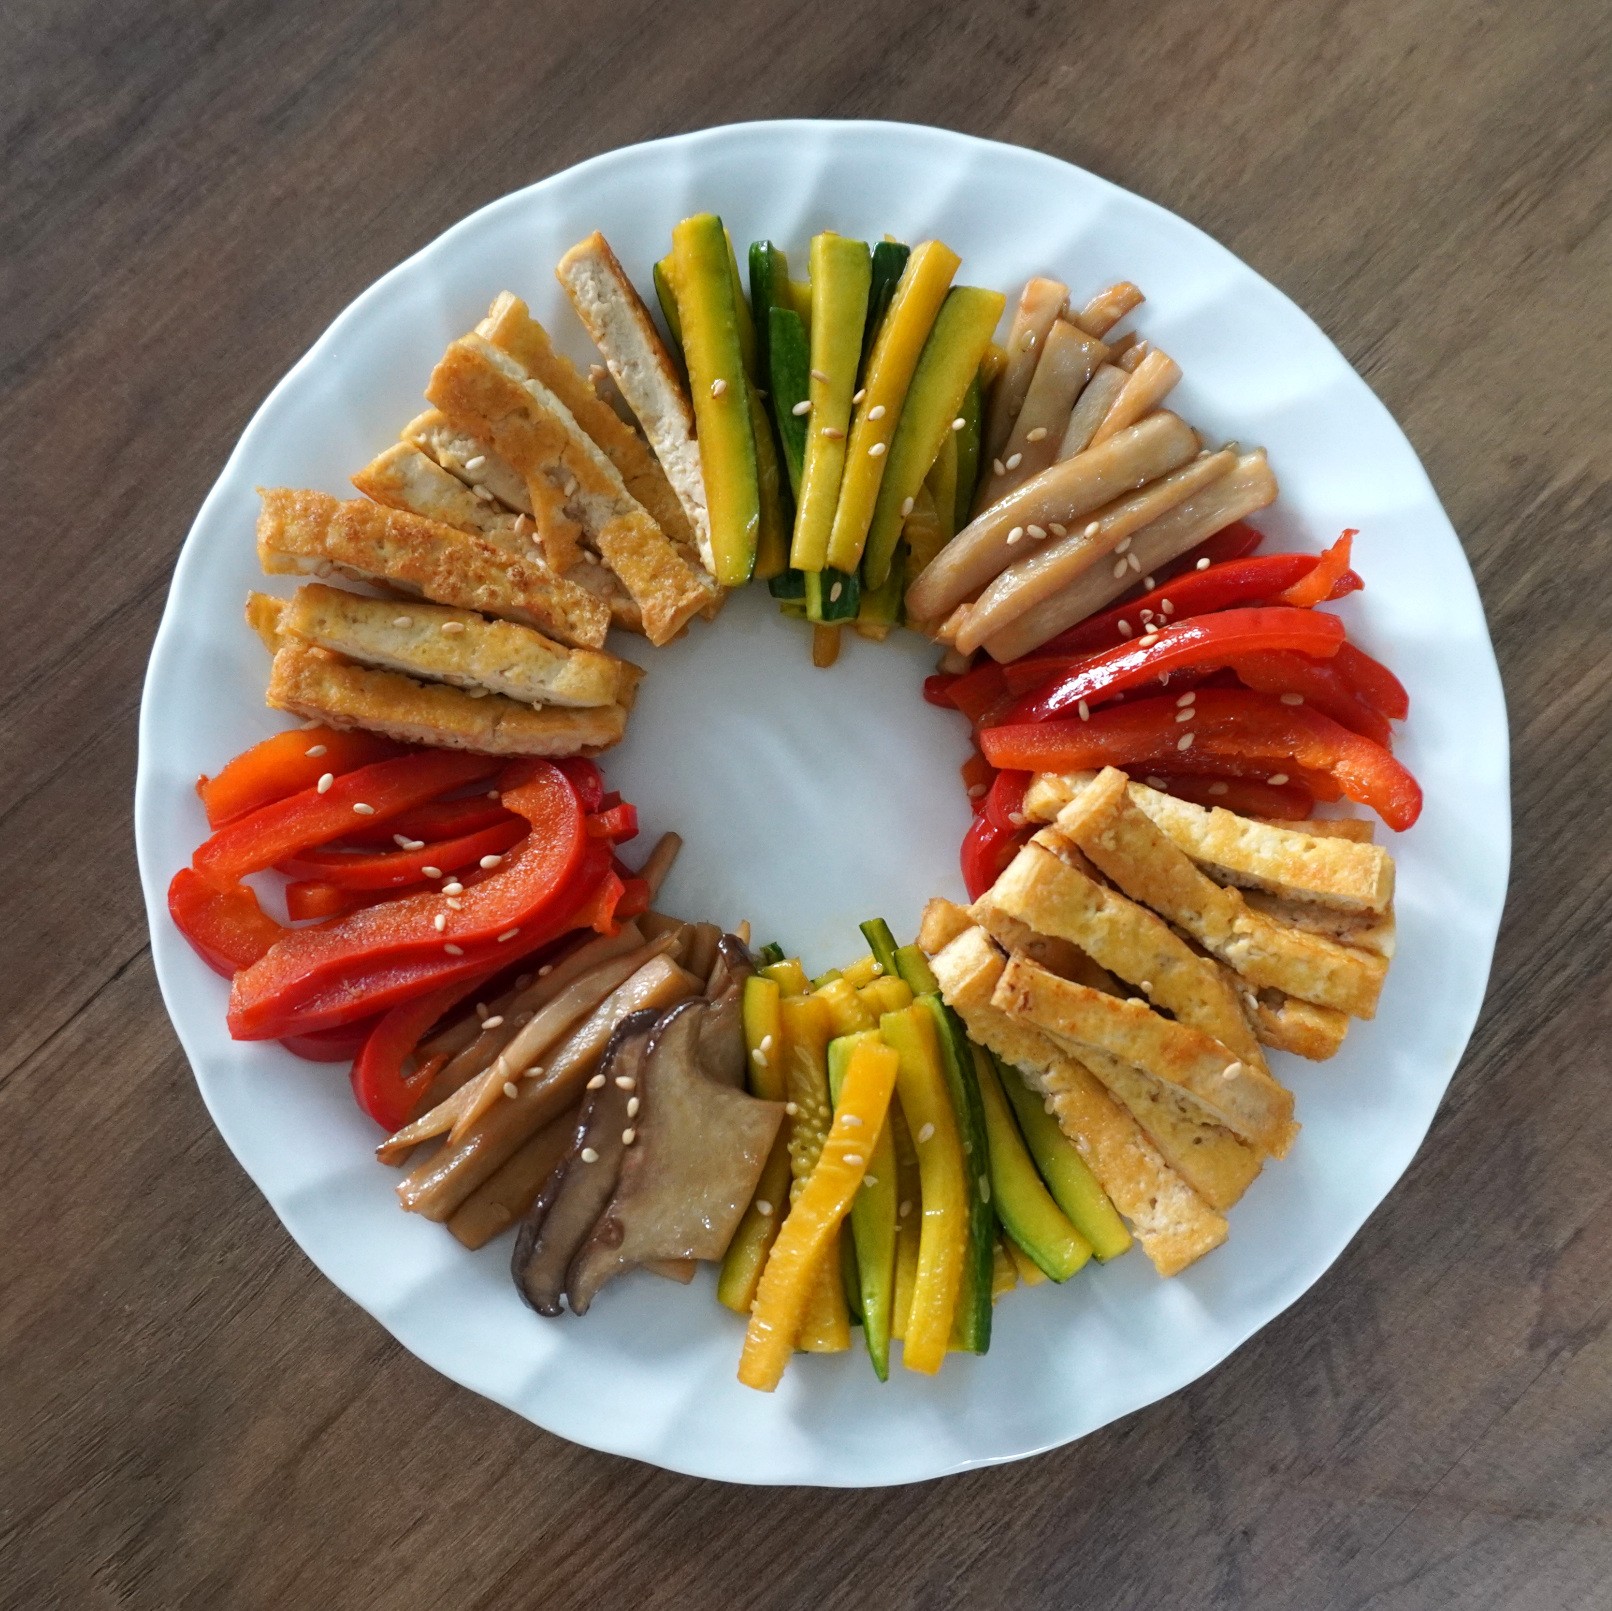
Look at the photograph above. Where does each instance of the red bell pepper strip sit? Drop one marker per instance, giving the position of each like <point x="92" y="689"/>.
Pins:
<point x="1223" y="587"/>
<point x="534" y="883"/>
<point x="397" y="869"/>
<point x="1333" y="564"/>
<point x="584" y="774"/>
<point x="987" y="849"/>
<point x="286" y="763"/>
<point x="434" y="821"/>
<point x="315" y="899"/>
<point x="383" y="1089"/>
<point x="937" y="689"/>
<point x="634" y="898"/>
<point x="978" y="691"/>
<point x="618" y="823"/>
<point x="1321" y="684"/>
<point x="1206" y="641"/>
<point x="978" y="775"/>
<point x="1235" y="541"/>
<point x="1227" y="724"/>
<point x="1374" y="682"/>
<point x="1005" y="801"/>
<point x="273" y="832"/>
<point x="1286" y="802"/>
<point x="339" y="1045"/>
<point x="226" y="928"/>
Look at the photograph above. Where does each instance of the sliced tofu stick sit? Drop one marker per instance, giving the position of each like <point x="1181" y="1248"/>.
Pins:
<point x="1069" y="358"/>
<point x="1041" y="301"/>
<point x="313" y="683"/>
<point x="1052" y="501"/>
<point x="1152" y="380"/>
<point x="468" y="459"/>
<point x="441" y="644"/>
<point x="1246" y="487"/>
<point x="1050" y="567"/>
<point x="1364" y="931"/>
<point x="1107" y="308"/>
<point x="1288" y="1025"/>
<point x="1090" y="410"/>
<point x="405" y="478"/>
<point x="303" y="533"/>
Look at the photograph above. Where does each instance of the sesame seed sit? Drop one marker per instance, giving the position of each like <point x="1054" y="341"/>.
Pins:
<point x="507" y="936"/>
<point x="1014" y="535"/>
<point x="1278" y="778"/>
<point x="876" y="451"/>
<point x="1153" y="782"/>
<point x="1184" y="742"/>
<point x="589" y="1155"/>
<point x="1092" y="529"/>
<point x="482" y="493"/>
<point x="1184" y="715"/>
<point x="800" y="408"/>
<point x="853" y="1119"/>
<point x="1202" y="565"/>
<point x="870" y="1180"/>
<point x="1147" y="617"/>
<point x="431" y="872"/>
<point x="316" y="750"/>
<point x="765" y="1043"/>
<point x="926" y="1133"/>
<point x="1027" y="341"/>
<point x="440" y="922"/>
<point x="764" y="1208"/>
<point x="835" y="591"/>
<point x="1147" y="640"/>
<point x="1085" y="711"/>
<point x="1292" y="699"/>
<point x="718" y="386"/>
<point x="1014" y="460"/>
<point x="976" y="790"/>
<point x="906" y="507"/>
<point x="362" y="809"/>
<point x="1038" y="532"/>
<point x="1187" y="698"/>
<point x="324" y="783"/>
<point x="491" y="861"/>
<point x="477" y="462"/>
<point x="454" y="950"/>
<point x="1167" y="606"/>
<point x="633" y="1105"/>
<point x="628" y="1136"/>
<point x="1134" y="561"/>
<point x="624" y="1082"/>
<point x="758" y="1057"/>
<point x="1124" y="628"/>
<point x="455" y="906"/>
<point x="877" y="412"/>
<point x="959" y="423"/>
<point x="817" y="374"/>
<point x="511" y="1089"/>
<point x="855" y="1159"/>
<point x="453" y="887"/>
<point x="832" y="432"/>
<point x="998" y="467"/>
<point x="1017" y="818"/>
<point x="1219" y="788"/>
<point x="495" y="1022"/>
<point x="403" y="842"/>
<point x="452" y="627"/>
<point x="903" y="1210"/>
<point x="1122" y="546"/>
<point x="1146" y="984"/>
<point x="985" y="1188"/>
<point x="545" y="970"/>
<point x="493" y="794"/>
<point x="1119" y="568"/>
<point x="858" y="395"/>
<point x="402" y="620"/>
<point x="791" y="1108"/>
<point x="1039" y="434"/>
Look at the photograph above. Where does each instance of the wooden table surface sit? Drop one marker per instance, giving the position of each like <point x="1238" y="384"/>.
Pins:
<point x="190" y="1415"/>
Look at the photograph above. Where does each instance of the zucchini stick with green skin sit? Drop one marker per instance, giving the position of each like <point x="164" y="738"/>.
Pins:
<point x="967" y="435"/>
<point x="950" y="359"/>
<point x="719" y="388"/>
<point x="916" y="301"/>
<point x="889" y="259"/>
<point x="667" y="297"/>
<point x="841" y="273"/>
<point x="882" y="943"/>
<point x="873" y="1222"/>
<point x="789" y="364"/>
<point x="772" y="540"/>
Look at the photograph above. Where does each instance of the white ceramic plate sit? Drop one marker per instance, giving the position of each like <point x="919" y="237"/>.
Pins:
<point x="811" y="800"/>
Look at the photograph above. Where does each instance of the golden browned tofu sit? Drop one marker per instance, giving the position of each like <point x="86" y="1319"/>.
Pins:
<point x="405" y="478"/>
<point x="440" y="644"/>
<point x="468" y="458"/>
<point x="1290" y="1025"/>
<point x="311" y="533"/>
<point x="312" y="682"/>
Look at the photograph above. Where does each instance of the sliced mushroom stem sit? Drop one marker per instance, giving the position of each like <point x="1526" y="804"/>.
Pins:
<point x="658" y="863"/>
<point x="500" y="1200"/>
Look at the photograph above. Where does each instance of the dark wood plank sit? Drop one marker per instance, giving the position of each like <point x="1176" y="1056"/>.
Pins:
<point x="192" y="1416"/>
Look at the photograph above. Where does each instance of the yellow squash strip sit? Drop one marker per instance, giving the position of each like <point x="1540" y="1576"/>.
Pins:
<point x="941" y="484"/>
<point x="789" y="975"/>
<point x="1004" y="1272"/>
<point x="810" y="1233"/>
<point x="861" y="972"/>
<point x="902" y="333"/>
<point x="1030" y="1273"/>
<point x="845" y="1007"/>
<point x="885" y="995"/>
<point x="943" y="1237"/>
<point x="752" y="1241"/>
<point x="909" y="1219"/>
<point x="808" y="1028"/>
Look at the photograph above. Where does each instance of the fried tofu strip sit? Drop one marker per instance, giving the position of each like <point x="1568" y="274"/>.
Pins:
<point x="1171" y="1221"/>
<point x="1363" y="931"/>
<point x="1307" y="861"/>
<point x="575" y="489"/>
<point x="1055" y="894"/>
<point x="510" y="327"/>
<point x="1136" y="854"/>
<point x="1289" y="1025"/>
<point x="467" y="458"/>
<point x="459" y="647"/>
<point x="301" y="533"/>
<point x="312" y="682"/>
<point x="1229" y="1091"/>
<point x="405" y="478"/>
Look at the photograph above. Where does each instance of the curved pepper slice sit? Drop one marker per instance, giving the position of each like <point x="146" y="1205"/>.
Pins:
<point x="1374" y="682"/>
<point x="339" y="1045"/>
<point x="533" y="885"/>
<point x="1231" y="542"/>
<point x="273" y="832"/>
<point x="1227" y="724"/>
<point x="1322" y="683"/>
<point x="399" y="868"/>
<point x="433" y="821"/>
<point x="226" y="928"/>
<point x="286" y="763"/>
<point x="987" y="849"/>
<point x="315" y="899"/>
<point x="1330" y="569"/>
<point x="1248" y="797"/>
<point x="1213" y="640"/>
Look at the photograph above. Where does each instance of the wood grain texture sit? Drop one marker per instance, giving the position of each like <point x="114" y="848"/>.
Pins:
<point x="189" y="1414"/>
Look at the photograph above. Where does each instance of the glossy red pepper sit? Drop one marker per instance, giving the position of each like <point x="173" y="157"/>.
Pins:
<point x="339" y="996"/>
<point x="1223" y="587"/>
<point x="937" y="689"/>
<point x="435" y="820"/>
<point x="284" y="764"/>
<point x="1227" y="723"/>
<point x="273" y="832"/>
<point x="1330" y="569"/>
<point x="978" y="775"/>
<point x="316" y="899"/>
<point x="339" y="1045"/>
<point x="1320" y="683"/>
<point x="585" y="777"/>
<point x="384" y="1084"/>
<point x="226" y="928"/>
<point x="1248" y="797"/>
<point x="617" y="823"/>
<point x="1231" y="542"/>
<point x="532" y="884"/>
<point x="1005" y="801"/>
<point x="978" y="691"/>
<point x="1374" y="682"/>
<point x="398" y="869"/>
<point x="987" y="849"/>
<point x="1209" y="641"/>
